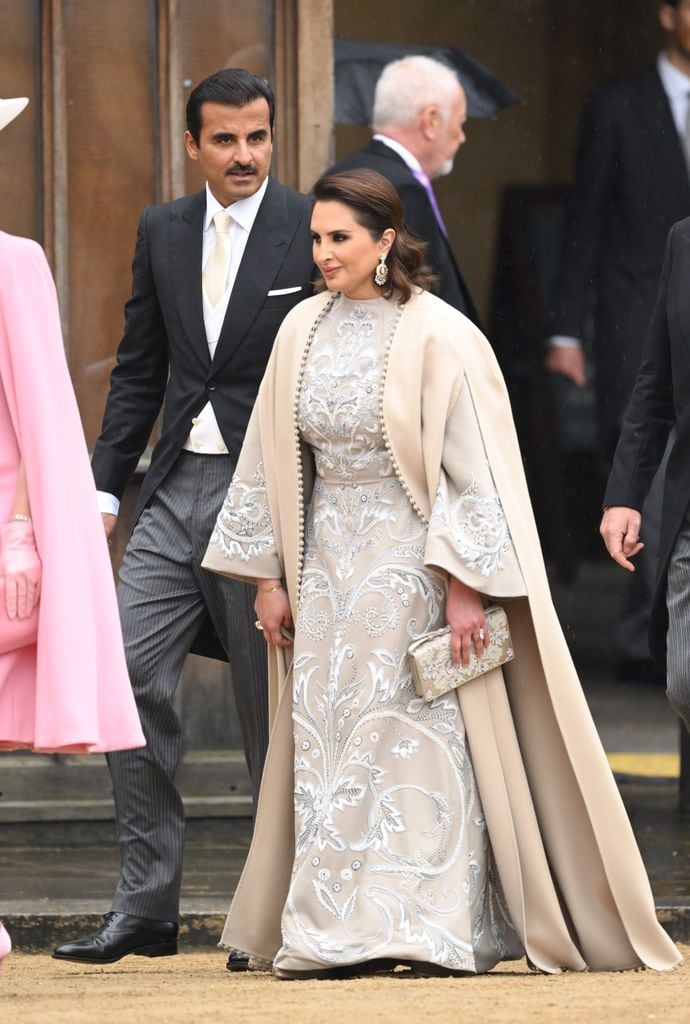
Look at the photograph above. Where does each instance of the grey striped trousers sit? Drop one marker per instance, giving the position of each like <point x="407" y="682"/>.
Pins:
<point x="678" y="636"/>
<point x="163" y="596"/>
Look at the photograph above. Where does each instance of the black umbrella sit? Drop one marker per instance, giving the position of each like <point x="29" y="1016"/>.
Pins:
<point x="359" y="63"/>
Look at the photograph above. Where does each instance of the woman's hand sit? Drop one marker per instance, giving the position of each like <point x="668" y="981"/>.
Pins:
<point x="21" y="567"/>
<point x="465" y="616"/>
<point x="273" y="612"/>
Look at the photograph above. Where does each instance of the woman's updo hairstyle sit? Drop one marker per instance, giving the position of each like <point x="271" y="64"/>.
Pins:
<point x="375" y="204"/>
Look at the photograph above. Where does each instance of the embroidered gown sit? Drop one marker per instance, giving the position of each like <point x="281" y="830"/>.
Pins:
<point x="392" y="857"/>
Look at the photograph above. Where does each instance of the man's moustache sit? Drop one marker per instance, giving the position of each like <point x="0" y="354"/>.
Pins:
<point x="239" y="169"/>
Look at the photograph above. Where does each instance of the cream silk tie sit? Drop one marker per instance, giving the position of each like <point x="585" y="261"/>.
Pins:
<point x="215" y="276"/>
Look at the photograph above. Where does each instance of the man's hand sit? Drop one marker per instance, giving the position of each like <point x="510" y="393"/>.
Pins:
<point x="620" y="528"/>
<point x="109" y="522"/>
<point x="568" y="360"/>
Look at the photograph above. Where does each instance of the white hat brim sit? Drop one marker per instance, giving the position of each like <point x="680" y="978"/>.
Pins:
<point x="9" y="109"/>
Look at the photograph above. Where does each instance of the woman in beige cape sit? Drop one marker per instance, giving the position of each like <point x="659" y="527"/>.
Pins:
<point x="381" y="482"/>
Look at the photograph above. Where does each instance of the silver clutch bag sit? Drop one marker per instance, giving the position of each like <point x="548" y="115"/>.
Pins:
<point x="429" y="656"/>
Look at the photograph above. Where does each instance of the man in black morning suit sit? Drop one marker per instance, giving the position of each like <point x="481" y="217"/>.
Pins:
<point x="660" y="403"/>
<point x="419" y="113"/>
<point x="214" y="274"/>
<point x="632" y="183"/>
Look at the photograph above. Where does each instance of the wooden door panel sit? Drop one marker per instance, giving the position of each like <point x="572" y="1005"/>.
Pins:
<point x="20" y="178"/>
<point x="111" y="141"/>
<point x="234" y="35"/>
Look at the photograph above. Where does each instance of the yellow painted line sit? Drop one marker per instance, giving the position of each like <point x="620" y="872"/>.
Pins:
<point x="656" y="766"/>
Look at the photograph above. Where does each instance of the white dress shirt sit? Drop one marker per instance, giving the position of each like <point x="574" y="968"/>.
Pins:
<point x="677" y="88"/>
<point x="205" y="437"/>
<point x="402" y="151"/>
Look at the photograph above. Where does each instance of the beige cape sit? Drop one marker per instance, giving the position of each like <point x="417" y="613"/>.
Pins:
<point x="569" y="865"/>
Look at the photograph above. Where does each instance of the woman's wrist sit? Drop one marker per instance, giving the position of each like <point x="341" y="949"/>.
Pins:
<point x="19" y="517"/>
<point x="460" y="588"/>
<point x="270" y="586"/>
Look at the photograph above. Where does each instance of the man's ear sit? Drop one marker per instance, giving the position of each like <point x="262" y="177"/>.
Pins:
<point x="191" y="146"/>
<point x="667" y="17"/>
<point x="428" y="121"/>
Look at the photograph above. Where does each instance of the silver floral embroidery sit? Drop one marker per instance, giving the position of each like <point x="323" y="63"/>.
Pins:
<point x="477" y="525"/>
<point x="244" y="529"/>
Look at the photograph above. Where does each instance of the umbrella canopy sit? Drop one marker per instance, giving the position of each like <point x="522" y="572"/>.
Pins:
<point x="358" y="64"/>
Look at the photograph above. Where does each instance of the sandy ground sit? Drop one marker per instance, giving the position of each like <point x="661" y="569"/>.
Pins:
<point x="195" y="987"/>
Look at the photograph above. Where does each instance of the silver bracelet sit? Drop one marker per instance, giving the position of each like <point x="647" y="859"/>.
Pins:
<point x="17" y="516"/>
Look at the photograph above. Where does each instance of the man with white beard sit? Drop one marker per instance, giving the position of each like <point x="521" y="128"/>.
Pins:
<point x="418" y="121"/>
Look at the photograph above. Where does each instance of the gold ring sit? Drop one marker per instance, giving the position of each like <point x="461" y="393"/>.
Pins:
<point x="258" y="625"/>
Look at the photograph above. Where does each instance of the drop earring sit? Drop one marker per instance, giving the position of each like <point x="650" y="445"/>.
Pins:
<point x="381" y="272"/>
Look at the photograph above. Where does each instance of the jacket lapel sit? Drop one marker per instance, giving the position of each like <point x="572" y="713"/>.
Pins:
<point x="656" y="111"/>
<point x="677" y="305"/>
<point x="263" y="257"/>
<point x="186" y="236"/>
<point x="384" y="152"/>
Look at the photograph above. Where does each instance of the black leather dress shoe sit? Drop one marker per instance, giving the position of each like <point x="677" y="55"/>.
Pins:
<point x="120" y="935"/>
<point x="238" y="962"/>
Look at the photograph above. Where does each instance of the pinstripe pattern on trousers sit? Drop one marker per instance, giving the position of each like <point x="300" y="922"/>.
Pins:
<point x="678" y="636"/>
<point x="163" y="595"/>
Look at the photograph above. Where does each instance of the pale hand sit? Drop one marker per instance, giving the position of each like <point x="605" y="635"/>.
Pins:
<point x="21" y="567"/>
<point x="569" y="360"/>
<point x="109" y="522"/>
<point x="620" y="528"/>
<point x="465" y="616"/>
<point x="273" y="612"/>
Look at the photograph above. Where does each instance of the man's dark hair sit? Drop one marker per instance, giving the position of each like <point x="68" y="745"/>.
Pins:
<point x="233" y="86"/>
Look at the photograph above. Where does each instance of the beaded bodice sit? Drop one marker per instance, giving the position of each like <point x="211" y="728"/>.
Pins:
<point x="339" y="409"/>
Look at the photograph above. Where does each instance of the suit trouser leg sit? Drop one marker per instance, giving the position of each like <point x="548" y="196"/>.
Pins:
<point x="678" y="636"/>
<point x="163" y="596"/>
<point x="230" y="605"/>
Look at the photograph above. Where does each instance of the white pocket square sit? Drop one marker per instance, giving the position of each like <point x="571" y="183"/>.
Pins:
<point x="285" y="291"/>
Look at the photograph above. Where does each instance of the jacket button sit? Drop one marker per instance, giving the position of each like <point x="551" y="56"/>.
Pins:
<point x="210" y="387"/>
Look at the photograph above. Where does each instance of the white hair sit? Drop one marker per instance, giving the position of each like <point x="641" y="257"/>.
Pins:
<point x="409" y="85"/>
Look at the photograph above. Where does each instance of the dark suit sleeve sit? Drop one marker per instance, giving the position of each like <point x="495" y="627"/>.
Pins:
<point x="650" y="413"/>
<point x="138" y="381"/>
<point x="418" y="213"/>
<point x="420" y="219"/>
<point x="595" y="170"/>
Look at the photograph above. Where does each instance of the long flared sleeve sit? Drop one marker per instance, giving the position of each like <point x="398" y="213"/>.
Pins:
<point x="243" y="544"/>
<point x="468" y="533"/>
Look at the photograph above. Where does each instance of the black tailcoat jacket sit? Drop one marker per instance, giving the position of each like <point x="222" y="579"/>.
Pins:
<point x="164" y="357"/>
<point x="660" y="401"/>
<point x="631" y="186"/>
<point x="419" y="217"/>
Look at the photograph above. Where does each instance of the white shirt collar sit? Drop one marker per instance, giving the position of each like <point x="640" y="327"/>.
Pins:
<point x="409" y="158"/>
<point x="243" y="211"/>
<point x="676" y="84"/>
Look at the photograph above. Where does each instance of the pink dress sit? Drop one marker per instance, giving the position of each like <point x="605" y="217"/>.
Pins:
<point x="69" y="692"/>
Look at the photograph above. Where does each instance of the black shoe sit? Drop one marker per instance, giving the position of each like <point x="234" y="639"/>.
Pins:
<point x="381" y="965"/>
<point x="238" y="962"/>
<point x="120" y="935"/>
